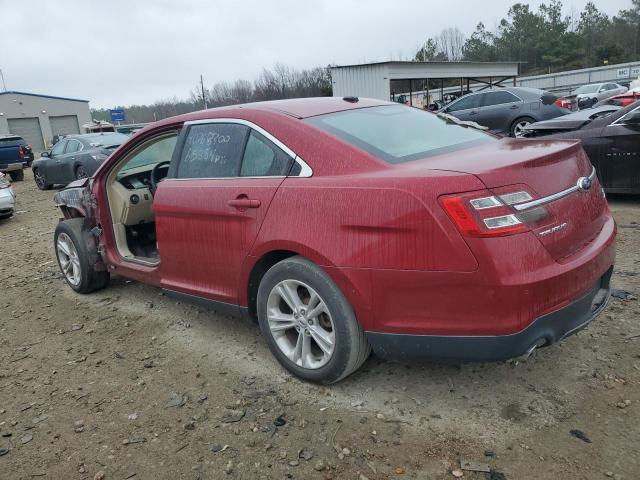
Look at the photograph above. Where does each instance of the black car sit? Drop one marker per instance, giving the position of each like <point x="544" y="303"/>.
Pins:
<point x="74" y="157"/>
<point x="612" y="143"/>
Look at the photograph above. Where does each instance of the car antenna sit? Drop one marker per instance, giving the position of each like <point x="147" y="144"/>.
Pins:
<point x="351" y="99"/>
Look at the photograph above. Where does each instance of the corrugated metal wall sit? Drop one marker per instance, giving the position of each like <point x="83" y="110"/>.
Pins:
<point x="564" y="83"/>
<point x="364" y="81"/>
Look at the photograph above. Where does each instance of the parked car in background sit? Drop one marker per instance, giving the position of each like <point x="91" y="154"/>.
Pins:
<point x="7" y="197"/>
<point x="569" y="122"/>
<point x="588" y="95"/>
<point x="253" y="209"/>
<point x="612" y="143"/>
<point x="74" y="157"/>
<point x="624" y="99"/>
<point x="506" y="110"/>
<point x="15" y="155"/>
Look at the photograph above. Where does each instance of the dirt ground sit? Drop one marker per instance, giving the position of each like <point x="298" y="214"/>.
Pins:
<point x="127" y="383"/>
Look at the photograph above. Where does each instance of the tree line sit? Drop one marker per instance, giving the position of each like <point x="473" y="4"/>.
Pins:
<point x="272" y="84"/>
<point x="544" y="40"/>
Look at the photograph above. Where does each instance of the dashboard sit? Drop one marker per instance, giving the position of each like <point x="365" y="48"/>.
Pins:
<point x="139" y="178"/>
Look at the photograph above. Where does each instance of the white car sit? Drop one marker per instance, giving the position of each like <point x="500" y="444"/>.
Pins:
<point x="589" y="95"/>
<point x="7" y="197"/>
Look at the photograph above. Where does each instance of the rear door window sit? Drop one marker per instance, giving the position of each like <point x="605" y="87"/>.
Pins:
<point x="72" y="146"/>
<point x="263" y="159"/>
<point x="498" y="98"/>
<point x="212" y="150"/>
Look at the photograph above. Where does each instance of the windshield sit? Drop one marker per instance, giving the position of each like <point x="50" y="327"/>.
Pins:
<point x="398" y="133"/>
<point x="587" y="89"/>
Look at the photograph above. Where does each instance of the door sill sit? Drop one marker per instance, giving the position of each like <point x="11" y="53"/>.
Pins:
<point x="220" y="307"/>
<point x="146" y="261"/>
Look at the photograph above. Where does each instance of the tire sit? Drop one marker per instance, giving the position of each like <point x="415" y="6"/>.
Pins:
<point x="17" y="175"/>
<point x="336" y="322"/>
<point x="5" y="216"/>
<point x="81" y="172"/>
<point x="41" y="181"/>
<point x="517" y="125"/>
<point x="75" y="261"/>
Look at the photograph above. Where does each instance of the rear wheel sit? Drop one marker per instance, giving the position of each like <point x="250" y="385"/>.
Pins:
<point x="74" y="259"/>
<point x="81" y="172"/>
<point x="518" y="126"/>
<point x="309" y="325"/>
<point x="17" y="175"/>
<point x="41" y="181"/>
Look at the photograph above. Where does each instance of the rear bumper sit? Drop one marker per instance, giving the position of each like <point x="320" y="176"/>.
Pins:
<point x="545" y="330"/>
<point x="11" y="167"/>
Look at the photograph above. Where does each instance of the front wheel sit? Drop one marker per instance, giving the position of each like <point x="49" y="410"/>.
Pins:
<point x="519" y="125"/>
<point x="81" y="172"/>
<point x="310" y="327"/>
<point x="41" y="180"/>
<point x="74" y="259"/>
<point x="17" y="175"/>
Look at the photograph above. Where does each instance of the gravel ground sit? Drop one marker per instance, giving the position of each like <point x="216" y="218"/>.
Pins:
<point x="126" y="383"/>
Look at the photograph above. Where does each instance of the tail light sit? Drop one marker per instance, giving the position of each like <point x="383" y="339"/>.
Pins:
<point x="489" y="214"/>
<point x="20" y="152"/>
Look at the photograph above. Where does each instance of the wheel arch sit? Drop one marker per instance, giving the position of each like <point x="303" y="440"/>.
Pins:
<point x="354" y="283"/>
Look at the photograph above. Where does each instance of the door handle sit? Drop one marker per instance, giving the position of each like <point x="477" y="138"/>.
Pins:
<point x="473" y="112"/>
<point x="514" y="107"/>
<point x="243" y="202"/>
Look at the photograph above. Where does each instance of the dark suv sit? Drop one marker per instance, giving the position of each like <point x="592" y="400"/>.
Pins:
<point x="15" y="155"/>
<point x="506" y="110"/>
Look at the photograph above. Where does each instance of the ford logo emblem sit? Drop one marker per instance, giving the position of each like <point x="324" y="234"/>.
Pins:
<point x="584" y="183"/>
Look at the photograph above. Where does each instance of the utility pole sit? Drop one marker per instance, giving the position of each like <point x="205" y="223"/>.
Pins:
<point x="204" y="98"/>
<point x="4" y="87"/>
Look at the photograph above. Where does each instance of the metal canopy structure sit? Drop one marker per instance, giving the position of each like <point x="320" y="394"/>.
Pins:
<point x="418" y="80"/>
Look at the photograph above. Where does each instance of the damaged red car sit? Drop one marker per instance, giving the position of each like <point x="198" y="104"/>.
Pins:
<point x="345" y="225"/>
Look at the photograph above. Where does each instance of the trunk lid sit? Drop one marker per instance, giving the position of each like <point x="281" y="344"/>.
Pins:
<point x="542" y="168"/>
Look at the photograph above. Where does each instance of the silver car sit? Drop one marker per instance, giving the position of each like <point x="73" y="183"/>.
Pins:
<point x="589" y="95"/>
<point x="506" y="110"/>
<point x="7" y="197"/>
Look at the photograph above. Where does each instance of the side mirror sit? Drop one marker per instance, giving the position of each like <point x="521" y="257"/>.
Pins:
<point x="45" y="154"/>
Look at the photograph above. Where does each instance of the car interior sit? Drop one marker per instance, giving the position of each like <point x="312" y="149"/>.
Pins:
<point x="130" y="188"/>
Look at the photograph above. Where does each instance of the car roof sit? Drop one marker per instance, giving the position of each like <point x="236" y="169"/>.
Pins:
<point x="295" y="107"/>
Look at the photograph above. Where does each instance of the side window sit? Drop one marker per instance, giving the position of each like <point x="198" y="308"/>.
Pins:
<point x="212" y="150"/>
<point x="262" y="158"/>
<point x="72" y="146"/>
<point x="148" y="156"/>
<point x="465" y="103"/>
<point x="58" y="148"/>
<point x="498" y="98"/>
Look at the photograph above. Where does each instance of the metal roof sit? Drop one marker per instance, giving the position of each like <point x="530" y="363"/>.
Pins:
<point x="422" y="64"/>
<point x="43" y="96"/>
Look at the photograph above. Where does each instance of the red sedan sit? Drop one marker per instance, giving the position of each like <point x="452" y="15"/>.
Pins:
<point x="345" y="225"/>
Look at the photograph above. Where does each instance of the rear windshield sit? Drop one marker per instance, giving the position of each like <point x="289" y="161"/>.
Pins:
<point x="107" y="140"/>
<point x="398" y="133"/>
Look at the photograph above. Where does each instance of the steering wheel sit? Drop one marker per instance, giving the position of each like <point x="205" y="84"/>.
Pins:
<point x="155" y="176"/>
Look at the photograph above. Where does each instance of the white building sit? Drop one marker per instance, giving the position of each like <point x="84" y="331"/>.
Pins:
<point x="38" y="118"/>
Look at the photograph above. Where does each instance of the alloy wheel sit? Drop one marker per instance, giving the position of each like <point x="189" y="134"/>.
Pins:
<point x="301" y="324"/>
<point x="81" y="173"/>
<point x="40" y="180"/>
<point x="69" y="260"/>
<point x="518" y="130"/>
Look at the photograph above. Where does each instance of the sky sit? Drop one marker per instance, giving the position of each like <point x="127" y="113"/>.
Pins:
<point x="117" y="52"/>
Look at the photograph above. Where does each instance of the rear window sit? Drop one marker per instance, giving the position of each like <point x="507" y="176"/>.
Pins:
<point x="10" y="139"/>
<point x="397" y="133"/>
